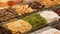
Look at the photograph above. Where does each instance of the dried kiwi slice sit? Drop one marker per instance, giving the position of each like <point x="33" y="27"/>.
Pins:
<point x="35" y="20"/>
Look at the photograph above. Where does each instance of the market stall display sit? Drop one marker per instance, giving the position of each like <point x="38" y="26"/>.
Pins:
<point x="26" y="24"/>
<point x="26" y="16"/>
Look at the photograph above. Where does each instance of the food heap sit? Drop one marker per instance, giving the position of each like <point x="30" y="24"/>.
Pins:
<point x="35" y="20"/>
<point x="3" y="3"/>
<point x="29" y="14"/>
<point x="6" y="15"/>
<point x="49" y="15"/>
<point x="51" y="31"/>
<point x="19" y="26"/>
<point x="26" y="24"/>
<point x="36" y="5"/>
<point x="20" y="11"/>
<point x="49" y="3"/>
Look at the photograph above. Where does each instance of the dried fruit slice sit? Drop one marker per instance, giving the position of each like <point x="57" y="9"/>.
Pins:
<point x="18" y="26"/>
<point x="6" y="15"/>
